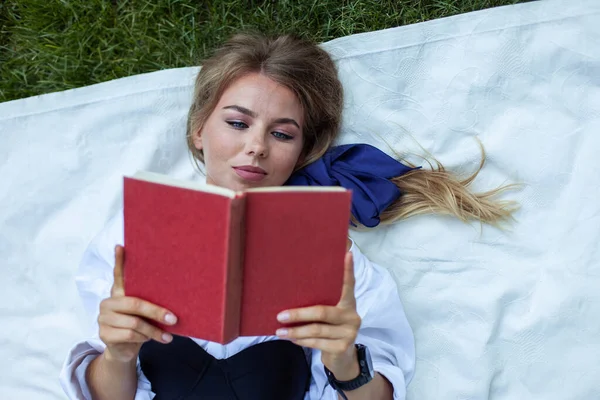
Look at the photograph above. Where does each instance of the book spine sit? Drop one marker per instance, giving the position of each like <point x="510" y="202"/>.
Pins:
<point x="235" y="274"/>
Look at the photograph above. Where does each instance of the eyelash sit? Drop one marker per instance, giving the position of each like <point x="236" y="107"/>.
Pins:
<point x="235" y="125"/>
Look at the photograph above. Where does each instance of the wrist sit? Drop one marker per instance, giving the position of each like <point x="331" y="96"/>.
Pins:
<point x="349" y="381"/>
<point x="109" y="378"/>
<point x="345" y="368"/>
<point x="118" y="359"/>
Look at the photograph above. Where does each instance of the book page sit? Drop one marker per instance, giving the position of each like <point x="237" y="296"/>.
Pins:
<point x="167" y="180"/>
<point x="297" y="189"/>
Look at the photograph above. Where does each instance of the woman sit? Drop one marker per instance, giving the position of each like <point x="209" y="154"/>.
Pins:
<point x="265" y="113"/>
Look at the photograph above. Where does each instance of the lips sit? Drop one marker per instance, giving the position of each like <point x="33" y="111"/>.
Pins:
<point x="250" y="173"/>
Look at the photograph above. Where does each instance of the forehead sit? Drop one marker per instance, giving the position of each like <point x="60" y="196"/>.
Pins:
<point x="259" y="91"/>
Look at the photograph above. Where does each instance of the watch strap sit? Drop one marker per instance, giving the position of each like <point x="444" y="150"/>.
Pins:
<point x="363" y="377"/>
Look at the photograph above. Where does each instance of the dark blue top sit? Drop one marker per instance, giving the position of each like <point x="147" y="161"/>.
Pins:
<point x="273" y="370"/>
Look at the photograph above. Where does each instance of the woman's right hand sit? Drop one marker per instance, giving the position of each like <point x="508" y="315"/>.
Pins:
<point x="123" y="320"/>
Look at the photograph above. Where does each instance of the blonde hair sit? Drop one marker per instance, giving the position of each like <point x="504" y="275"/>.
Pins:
<point x="439" y="191"/>
<point x="301" y="66"/>
<point x="309" y="72"/>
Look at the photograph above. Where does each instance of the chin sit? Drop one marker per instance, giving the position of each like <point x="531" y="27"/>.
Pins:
<point x="250" y="185"/>
<point x="243" y="184"/>
<point x="237" y="183"/>
<point x="240" y="184"/>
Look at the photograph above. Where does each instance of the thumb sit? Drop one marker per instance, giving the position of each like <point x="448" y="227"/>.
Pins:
<point x="347" y="299"/>
<point x="118" y="288"/>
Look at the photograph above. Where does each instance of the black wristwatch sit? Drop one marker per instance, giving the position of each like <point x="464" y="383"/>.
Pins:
<point x="365" y="376"/>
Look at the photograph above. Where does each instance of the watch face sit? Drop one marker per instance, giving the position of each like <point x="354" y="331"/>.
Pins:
<point x="369" y="361"/>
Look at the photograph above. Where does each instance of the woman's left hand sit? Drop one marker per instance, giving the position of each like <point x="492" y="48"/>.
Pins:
<point x="331" y="329"/>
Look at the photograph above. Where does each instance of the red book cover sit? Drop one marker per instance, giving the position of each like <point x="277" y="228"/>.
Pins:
<point x="294" y="254"/>
<point x="226" y="263"/>
<point x="183" y="252"/>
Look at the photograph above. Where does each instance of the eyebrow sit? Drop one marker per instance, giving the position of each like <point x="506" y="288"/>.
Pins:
<point x="252" y="114"/>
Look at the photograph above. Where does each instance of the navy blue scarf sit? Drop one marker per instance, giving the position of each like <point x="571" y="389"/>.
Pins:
<point x="362" y="168"/>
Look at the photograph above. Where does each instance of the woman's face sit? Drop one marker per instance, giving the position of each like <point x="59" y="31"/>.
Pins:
<point x="254" y="135"/>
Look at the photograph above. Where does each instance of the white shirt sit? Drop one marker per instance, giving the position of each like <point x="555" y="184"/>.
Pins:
<point x="384" y="329"/>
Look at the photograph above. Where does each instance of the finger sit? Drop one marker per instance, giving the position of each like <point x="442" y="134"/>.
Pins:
<point x="136" y="306"/>
<point x="135" y="324"/>
<point x="322" y="331"/>
<point x="326" y="314"/>
<point x="115" y="336"/>
<point x="118" y="288"/>
<point x="347" y="299"/>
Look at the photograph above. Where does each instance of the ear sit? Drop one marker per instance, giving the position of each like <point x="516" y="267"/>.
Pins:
<point x="197" y="139"/>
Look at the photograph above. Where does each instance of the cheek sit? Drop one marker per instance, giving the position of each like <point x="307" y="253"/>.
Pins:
<point x="219" y="145"/>
<point x="287" y="162"/>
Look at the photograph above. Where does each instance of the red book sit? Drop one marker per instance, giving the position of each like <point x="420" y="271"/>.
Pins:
<point x="225" y="262"/>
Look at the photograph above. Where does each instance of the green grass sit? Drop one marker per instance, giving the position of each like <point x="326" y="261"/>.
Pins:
<point x="52" y="45"/>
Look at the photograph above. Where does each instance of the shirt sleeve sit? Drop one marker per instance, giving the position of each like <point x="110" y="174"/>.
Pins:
<point x="384" y="330"/>
<point x="94" y="279"/>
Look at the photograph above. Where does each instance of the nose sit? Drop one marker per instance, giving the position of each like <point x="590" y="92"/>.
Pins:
<point x="257" y="144"/>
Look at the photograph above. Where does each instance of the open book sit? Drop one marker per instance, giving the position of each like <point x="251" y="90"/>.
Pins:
<point x="225" y="262"/>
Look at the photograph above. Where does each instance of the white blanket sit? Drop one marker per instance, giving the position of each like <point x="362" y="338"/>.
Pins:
<point x="497" y="315"/>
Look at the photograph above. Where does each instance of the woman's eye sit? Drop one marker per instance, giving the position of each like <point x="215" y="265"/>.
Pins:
<point x="280" y="135"/>
<point x="237" y="124"/>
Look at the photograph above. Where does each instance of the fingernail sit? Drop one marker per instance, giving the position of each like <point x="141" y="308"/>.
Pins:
<point x="283" y="316"/>
<point x="281" y="332"/>
<point x="170" y="319"/>
<point x="167" y="337"/>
